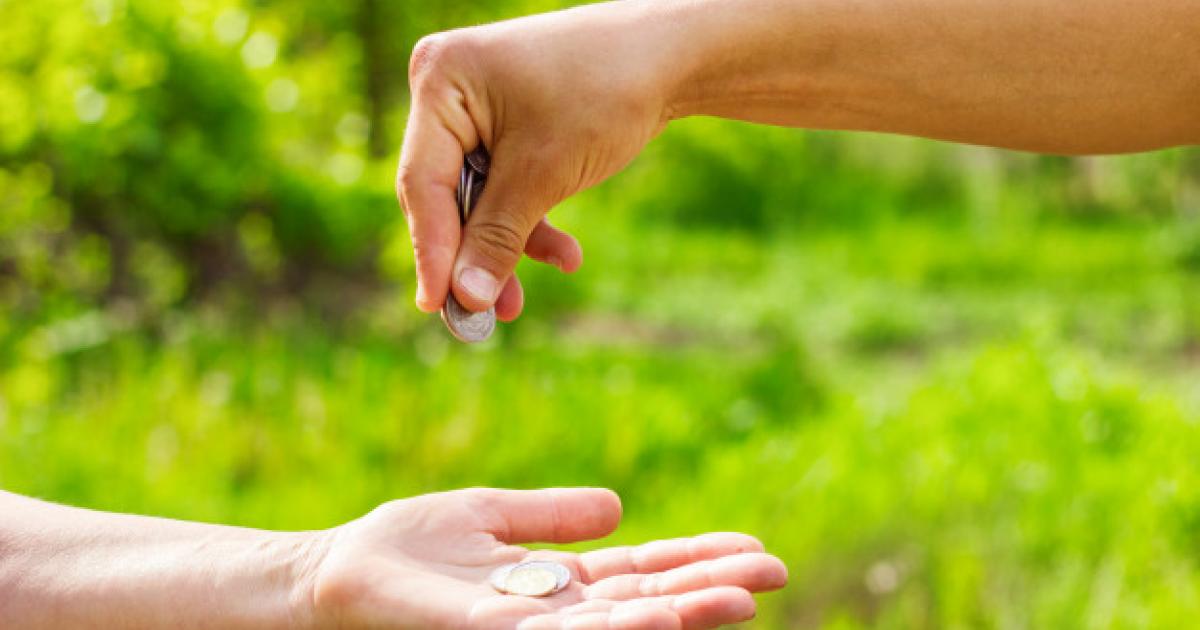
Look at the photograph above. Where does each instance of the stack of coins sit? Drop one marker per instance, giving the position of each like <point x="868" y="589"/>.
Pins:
<point x="470" y="327"/>
<point x="536" y="578"/>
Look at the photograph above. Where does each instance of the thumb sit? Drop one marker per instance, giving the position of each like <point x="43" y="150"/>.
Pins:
<point x="517" y="196"/>
<point x="552" y="515"/>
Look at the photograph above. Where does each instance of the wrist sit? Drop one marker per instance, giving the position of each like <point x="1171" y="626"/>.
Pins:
<point x="712" y="45"/>
<point x="305" y="552"/>
<point x="667" y="52"/>
<point x="66" y="567"/>
<point x="684" y="53"/>
<point x="763" y="61"/>
<point x="632" y="55"/>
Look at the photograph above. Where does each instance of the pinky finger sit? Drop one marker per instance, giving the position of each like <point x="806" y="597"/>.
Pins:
<point x="636" y="618"/>
<point x="698" y="610"/>
<point x="714" y="607"/>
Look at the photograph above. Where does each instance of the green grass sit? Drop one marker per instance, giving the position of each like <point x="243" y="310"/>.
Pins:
<point x="935" y="426"/>
<point x="952" y="387"/>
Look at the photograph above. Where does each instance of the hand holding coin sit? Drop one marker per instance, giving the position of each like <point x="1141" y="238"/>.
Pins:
<point x="451" y="560"/>
<point x="468" y="326"/>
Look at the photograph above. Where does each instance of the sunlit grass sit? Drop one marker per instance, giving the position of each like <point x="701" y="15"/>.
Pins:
<point x="950" y="430"/>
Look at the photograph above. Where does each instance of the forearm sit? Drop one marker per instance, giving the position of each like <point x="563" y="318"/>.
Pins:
<point x="62" y="567"/>
<point x="1093" y="76"/>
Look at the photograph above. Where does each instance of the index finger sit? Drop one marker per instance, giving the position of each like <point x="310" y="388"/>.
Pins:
<point x="426" y="184"/>
<point x="662" y="555"/>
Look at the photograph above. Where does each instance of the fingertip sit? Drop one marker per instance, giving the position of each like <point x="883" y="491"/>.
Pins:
<point x="725" y="543"/>
<point x="598" y="511"/>
<point x="611" y="504"/>
<point x="432" y="277"/>
<point x="511" y="301"/>
<point x="424" y="303"/>
<point x="567" y="252"/>
<point x="775" y="573"/>
<point x="716" y="606"/>
<point x="755" y="572"/>
<point x="572" y="258"/>
<point x="552" y="246"/>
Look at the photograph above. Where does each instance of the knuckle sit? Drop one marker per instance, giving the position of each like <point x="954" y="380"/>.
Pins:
<point x="399" y="190"/>
<point x="485" y="503"/>
<point x="498" y="239"/>
<point x="406" y="179"/>
<point x="423" y="252"/>
<point x="432" y="54"/>
<point x="425" y="56"/>
<point x="479" y="497"/>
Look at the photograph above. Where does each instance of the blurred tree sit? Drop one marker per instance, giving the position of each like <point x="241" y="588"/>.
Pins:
<point x="168" y="152"/>
<point x="152" y="127"/>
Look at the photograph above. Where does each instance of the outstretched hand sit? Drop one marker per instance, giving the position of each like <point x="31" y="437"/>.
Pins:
<point x="425" y="563"/>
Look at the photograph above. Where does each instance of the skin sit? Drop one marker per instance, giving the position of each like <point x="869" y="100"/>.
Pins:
<point x="420" y="563"/>
<point x="566" y="100"/>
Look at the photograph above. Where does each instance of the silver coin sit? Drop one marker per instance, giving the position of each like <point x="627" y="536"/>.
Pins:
<point x="467" y="326"/>
<point x="468" y="198"/>
<point x="480" y="160"/>
<point x="530" y="582"/>
<point x="498" y="577"/>
<point x="531" y="579"/>
<point x="462" y="191"/>
<point x="561" y="573"/>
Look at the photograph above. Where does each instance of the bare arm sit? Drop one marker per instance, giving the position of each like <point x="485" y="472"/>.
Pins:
<point x="63" y="567"/>
<point x="420" y="563"/>
<point x="566" y="100"/>
<point x="1089" y="76"/>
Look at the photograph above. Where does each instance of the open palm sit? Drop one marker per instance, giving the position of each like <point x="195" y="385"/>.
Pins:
<point x="425" y="563"/>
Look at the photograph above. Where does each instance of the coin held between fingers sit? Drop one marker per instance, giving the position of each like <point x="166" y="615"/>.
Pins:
<point x="465" y="325"/>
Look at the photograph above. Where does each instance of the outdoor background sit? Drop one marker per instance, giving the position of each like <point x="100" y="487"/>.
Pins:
<point x="952" y="387"/>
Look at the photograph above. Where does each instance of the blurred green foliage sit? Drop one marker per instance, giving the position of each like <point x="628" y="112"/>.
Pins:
<point x="951" y="386"/>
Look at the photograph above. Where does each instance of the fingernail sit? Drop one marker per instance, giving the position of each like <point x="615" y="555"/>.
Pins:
<point x="555" y="261"/>
<point x="479" y="283"/>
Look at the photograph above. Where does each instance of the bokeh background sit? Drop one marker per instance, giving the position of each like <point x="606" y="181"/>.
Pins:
<point x="951" y="386"/>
